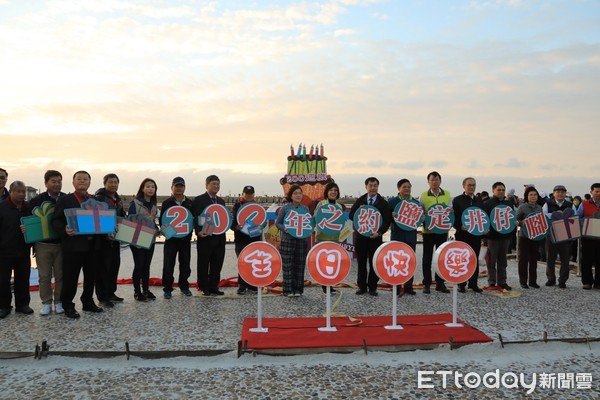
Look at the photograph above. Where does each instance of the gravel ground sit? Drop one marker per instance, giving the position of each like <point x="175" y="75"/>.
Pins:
<point x="184" y="323"/>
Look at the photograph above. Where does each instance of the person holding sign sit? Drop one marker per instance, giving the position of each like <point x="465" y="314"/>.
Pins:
<point x="528" y="248"/>
<point x="241" y="238"/>
<point x="180" y="243"/>
<point x="435" y="195"/>
<point x="292" y="221"/>
<point x="210" y="248"/>
<point x="48" y="253"/>
<point x="144" y="204"/>
<point x="110" y="250"/>
<point x="331" y="227"/>
<point x="498" y="242"/>
<point x="374" y="226"/>
<point x="14" y="252"/>
<point x="562" y="249"/>
<point x="590" y="246"/>
<point x="80" y="252"/>
<point x="459" y="205"/>
<point x="408" y="236"/>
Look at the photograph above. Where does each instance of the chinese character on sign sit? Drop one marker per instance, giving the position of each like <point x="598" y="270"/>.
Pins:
<point x="583" y="380"/>
<point x="503" y="219"/>
<point x="298" y="223"/>
<point x="536" y="226"/>
<point x="475" y="220"/>
<point x="457" y="262"/>
<point x="440" y="217"/>
<point x="396" y="263"/>
<point x="409" y="214"/>
<point x="566" y="380"/>
<point x="332" y="219"/>
<point x="261" y="263"/>
<point x="547" y="381"/>
<point x="369" y="220"/>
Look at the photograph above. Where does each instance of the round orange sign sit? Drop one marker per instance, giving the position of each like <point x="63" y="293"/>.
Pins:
<point x="455" y="261"/>
<point x="395" y="262"/>
<point x="328" y="263"/>
<point x="259" y="264"/>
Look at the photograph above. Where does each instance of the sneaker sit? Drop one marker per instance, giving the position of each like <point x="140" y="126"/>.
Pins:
<point x="505" y="286"/>
<point x="149" y="295"/>
<point x="139" y="297"/>
<point x="58" y="308"/>
<point x="46" y="309"/>
<point x="167" y="295"/>
<point x="24" y="310"/>
<point x="186" y="292"/>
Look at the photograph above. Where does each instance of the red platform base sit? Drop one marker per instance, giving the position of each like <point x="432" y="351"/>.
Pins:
<point x="300" y="335"/>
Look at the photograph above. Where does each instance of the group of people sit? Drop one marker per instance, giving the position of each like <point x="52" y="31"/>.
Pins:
<point x="62" y="259"/>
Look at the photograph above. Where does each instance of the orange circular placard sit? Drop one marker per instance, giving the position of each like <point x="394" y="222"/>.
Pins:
<point x="328" y="263"/>
<point x="455" y="261"/>
<point x="395" y="262"/>
<point x="259" y="264"/>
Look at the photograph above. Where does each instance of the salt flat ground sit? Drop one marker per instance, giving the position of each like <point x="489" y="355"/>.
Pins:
<point x="192" y="323"/>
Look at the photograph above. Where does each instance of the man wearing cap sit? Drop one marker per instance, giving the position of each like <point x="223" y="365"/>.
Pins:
<point x="211" y="248"/>
<point x="241" y="239"/>
<point x="563" y="249"/>
<point x="174" y="245"/>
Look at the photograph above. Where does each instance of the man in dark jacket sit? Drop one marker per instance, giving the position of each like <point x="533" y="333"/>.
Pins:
<point x="3" y="180"/>
<point x="48" y="253"/>
<point x="366" y="246"/>
<point x="211" y="248"/>
<point x="14" y="252"/>
<point x="498" y="243"/>
<point x="459" y="205"/>
<point x="241" y="239"/>
<point x="177" y="245"/>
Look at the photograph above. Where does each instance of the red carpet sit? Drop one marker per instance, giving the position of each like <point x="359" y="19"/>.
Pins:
<point x="299" y="333"/>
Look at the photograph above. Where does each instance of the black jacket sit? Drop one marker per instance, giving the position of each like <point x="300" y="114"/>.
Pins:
<point x="381" y="204"/>
<point x="199" y="204"/>
<point x="77" y="243"/>
<point x="12" y="240"/>
<point x="239" y="237"/>
<point x="460" y="204"/>
<point x="171" y="202"/>
<point x="488" y="206"/>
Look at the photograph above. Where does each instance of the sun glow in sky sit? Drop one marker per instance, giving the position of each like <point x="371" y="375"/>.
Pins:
<point x="498" y="89"/>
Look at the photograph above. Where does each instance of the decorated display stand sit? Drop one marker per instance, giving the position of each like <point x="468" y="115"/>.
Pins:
<point x="455" y="262"/>
<point x="328" y="264"/>
<point x="259" y="264"/>
<point x="395" y="263"/>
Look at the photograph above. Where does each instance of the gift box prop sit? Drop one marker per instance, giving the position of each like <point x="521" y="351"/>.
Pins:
<point x="591" y="226"/>
<point x="136" y="230"/>
<point x="38" y="226"/>
<point x="565" y="226"/>
<point x="93" y="218"/>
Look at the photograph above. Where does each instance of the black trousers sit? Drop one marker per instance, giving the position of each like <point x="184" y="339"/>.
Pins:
<point x="210" y="263"/>
<point x="172" y="248"/>
<point x="73" y="263"/>
<point x="590" y="256"/>
<point x="22" y="269"/>
<point x="563" y="250"/>
<point x="431" y="240"/>
<point x="365" y="249"/>
<point x="241" y="282"/>
<point x="528" y="258"/>
<point x="475" y="243"/>
<point x="142" y="258"/>
<point x="108" y="270"/>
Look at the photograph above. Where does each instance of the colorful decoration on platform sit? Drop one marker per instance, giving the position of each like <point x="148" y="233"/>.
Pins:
<point x="408" y="215"/>
<point x="219" y="216"/>
<point x="259" y="264"/>
<point x="330" y="219"/>
<point x="564" y="226"/>
<point x="328" y="263"/>
<point x="252" y="217"/>
<point x="179" y="222"/>
<point x="137" y="230"/>
<point x="299" y="223"/>
<point x="439" y="218"/>
<point x="94" y="217"/>
<point x="395" y="262"/>
<point x="503" y="219"/>
<point x="455" y="261"/>
<point x="535" y="226"/>
<point x="38" y="226"/>
<point x="476" y="221"/>
<point x="591" y="226"/>
<point x="367" y="220"/>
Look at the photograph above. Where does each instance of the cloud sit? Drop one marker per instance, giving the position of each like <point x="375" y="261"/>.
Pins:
<point x="512" y="162"/>
<point x="410" y="165"/>
<point x="438" y="164"/>
<point x="343" y="32"/>
<point x="368" y="164"/>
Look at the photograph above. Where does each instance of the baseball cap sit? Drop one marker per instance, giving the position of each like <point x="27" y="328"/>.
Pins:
<point x="248" y="189"/>
<point x="559" y="187"/>
<point x="178" y="181"/>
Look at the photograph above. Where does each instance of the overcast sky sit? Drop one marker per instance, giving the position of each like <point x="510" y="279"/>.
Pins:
<point x="500" y="89"/>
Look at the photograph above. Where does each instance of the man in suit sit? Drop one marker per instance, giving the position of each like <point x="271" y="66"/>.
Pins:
<point x="366" y="246"/>
<point x="210" y="248"/>
<point x="79" y="251"/>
